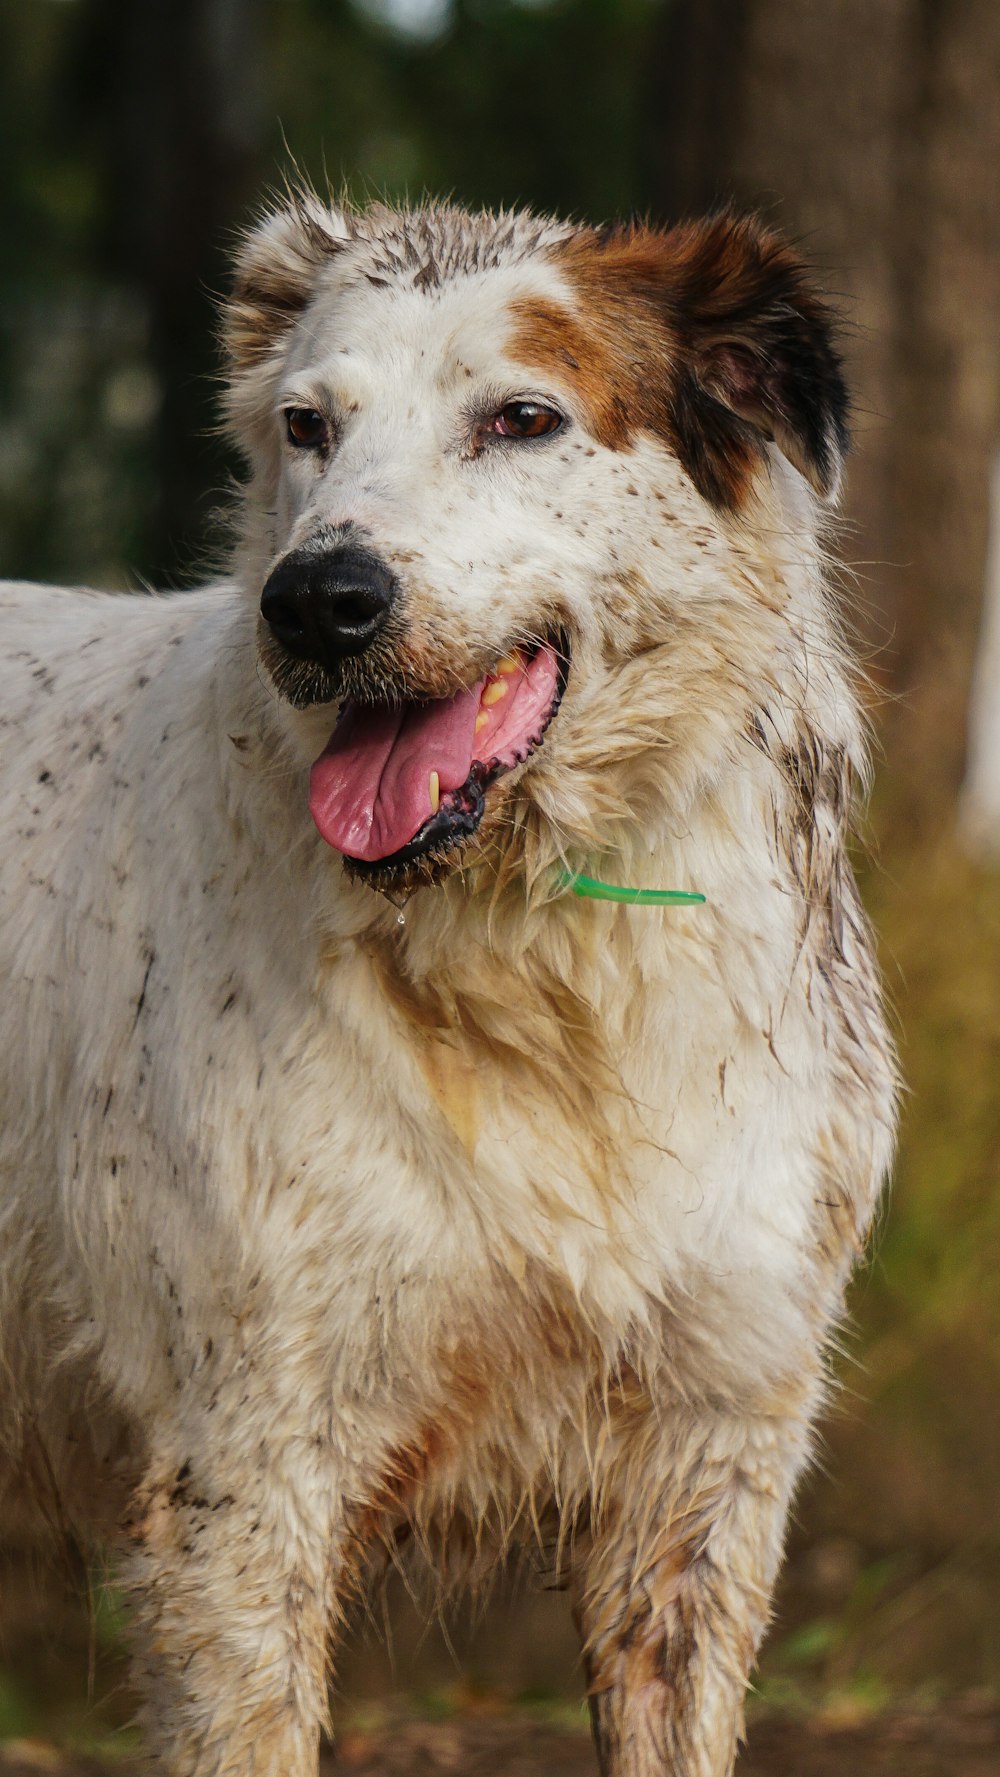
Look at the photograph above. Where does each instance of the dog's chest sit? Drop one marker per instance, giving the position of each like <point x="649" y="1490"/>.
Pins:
<point x="463" y="1176"/>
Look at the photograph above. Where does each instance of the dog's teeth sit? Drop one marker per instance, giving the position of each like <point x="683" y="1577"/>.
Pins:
<point x="494" y="692"/>
<point x="434" y="791"/>
<point x="481" y="721"/>
<point x="509" y="664"/>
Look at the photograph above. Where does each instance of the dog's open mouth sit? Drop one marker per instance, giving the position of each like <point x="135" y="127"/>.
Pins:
<point x="400" y="782"/>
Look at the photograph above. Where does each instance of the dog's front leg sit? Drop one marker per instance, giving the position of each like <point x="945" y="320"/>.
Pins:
<point x="673" y="1580"/>
<point x="231" y="1570"/>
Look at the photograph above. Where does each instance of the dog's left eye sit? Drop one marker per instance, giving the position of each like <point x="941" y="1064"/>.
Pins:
<point x="307" y="429"/>
<point x="525" y="419"/>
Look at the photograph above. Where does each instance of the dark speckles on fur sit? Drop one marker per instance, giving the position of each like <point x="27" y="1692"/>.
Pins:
<point x="812" y="812"/>
<point x="141" y="1001"/>
<point x="277" y="270"/>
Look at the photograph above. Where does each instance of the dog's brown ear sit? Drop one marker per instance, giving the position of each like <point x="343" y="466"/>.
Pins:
<point x="711" y="337"/>
<point x="756" y="358"/>
<point x="276" y="270"/>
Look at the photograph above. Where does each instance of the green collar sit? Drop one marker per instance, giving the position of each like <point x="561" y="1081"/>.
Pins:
<point x="596" y="890"/>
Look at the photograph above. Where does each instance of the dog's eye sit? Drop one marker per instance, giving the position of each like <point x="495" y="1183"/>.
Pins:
<point x="307" y="429"/>
<point x="525" y="419"/>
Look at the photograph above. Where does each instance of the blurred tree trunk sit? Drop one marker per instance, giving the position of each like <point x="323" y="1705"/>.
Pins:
<point x="873" y="133"/>
<point x="172" y="89"/>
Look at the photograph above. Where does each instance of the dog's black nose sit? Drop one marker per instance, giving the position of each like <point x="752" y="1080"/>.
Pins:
<point x="325" y="607"/>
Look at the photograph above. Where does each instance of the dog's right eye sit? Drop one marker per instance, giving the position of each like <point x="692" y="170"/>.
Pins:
<point x="307" y="429"/>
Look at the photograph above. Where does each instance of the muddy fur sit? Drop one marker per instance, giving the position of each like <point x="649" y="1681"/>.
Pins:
<point x="335" y="1223"/>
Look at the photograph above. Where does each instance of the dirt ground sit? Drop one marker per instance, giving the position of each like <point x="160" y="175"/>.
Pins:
<point x="962" y="1742"/>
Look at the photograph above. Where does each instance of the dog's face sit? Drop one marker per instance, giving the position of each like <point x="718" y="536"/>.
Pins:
<point x="496" y="460"/>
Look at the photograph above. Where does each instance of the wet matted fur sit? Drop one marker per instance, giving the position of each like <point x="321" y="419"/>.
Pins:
<point x="420" y="1200"/>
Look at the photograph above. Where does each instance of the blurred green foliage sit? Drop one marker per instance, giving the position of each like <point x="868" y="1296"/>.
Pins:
<point x="537" y="102"/>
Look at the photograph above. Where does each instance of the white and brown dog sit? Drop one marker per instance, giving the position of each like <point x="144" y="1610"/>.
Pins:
<point x="360" y="1180"/>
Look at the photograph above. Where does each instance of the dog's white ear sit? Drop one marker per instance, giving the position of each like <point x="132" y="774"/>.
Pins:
<point x="277" y="266"/>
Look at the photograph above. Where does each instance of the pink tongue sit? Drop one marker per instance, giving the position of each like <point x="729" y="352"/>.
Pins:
<point x="368" y="790"/>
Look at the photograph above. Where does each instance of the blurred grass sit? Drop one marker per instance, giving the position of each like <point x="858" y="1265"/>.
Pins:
<point x="939" y="920"/>
<point x="929" y="1306"/>
<point x="17" y="1716"/>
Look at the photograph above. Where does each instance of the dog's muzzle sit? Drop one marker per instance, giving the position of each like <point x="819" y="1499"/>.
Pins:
<point x="325" y="608"/>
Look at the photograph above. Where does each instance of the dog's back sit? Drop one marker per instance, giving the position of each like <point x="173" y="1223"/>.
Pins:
<point x="76" y="672"/>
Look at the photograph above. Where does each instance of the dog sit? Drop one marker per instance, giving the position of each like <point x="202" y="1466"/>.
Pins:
<point x="366" y="1185"/>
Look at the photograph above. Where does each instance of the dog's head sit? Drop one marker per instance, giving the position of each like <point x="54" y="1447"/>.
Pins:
<point x="509" y="482"/>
